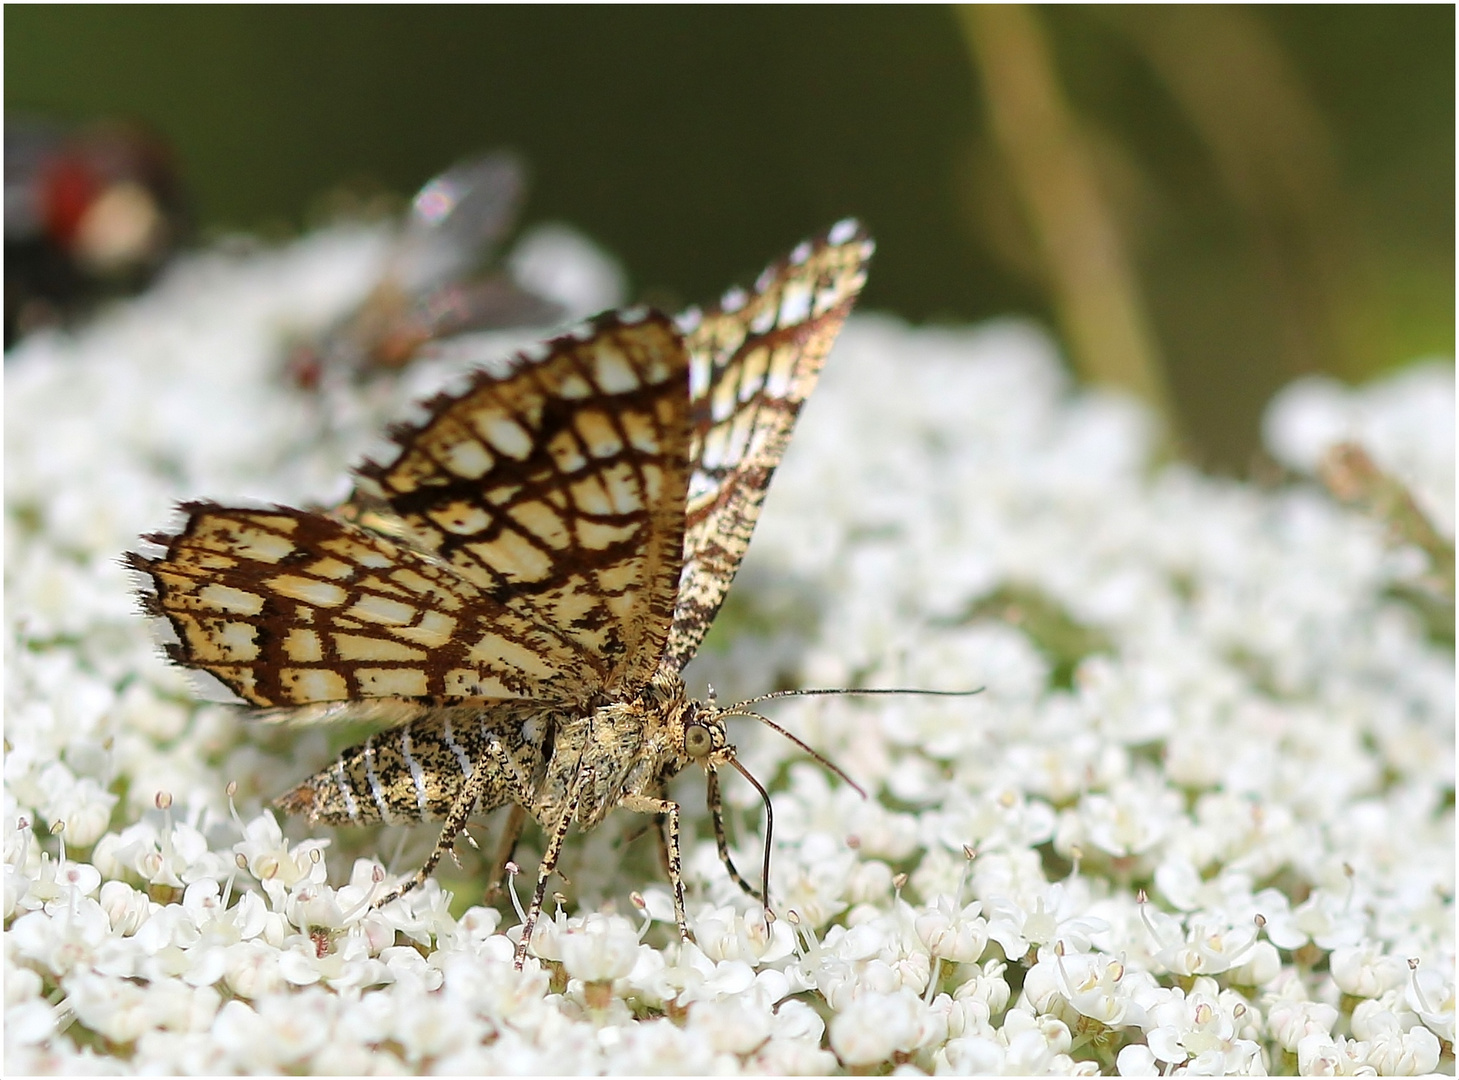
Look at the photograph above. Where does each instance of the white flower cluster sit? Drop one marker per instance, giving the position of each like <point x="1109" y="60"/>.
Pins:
<point x="1199" y="821"/>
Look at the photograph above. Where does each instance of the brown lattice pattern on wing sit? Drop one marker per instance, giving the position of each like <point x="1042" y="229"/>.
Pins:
<point x="753" y="361"/>
<point x="558" y="490"/>
<point x="291" y="608"/>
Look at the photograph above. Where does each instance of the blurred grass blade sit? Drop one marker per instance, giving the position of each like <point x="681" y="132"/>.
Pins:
<point x="1270" y="146"/>
<point x="1096" y="294"/>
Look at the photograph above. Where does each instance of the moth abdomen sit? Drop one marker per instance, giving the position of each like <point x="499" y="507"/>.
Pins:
<point x="405" y="775"/>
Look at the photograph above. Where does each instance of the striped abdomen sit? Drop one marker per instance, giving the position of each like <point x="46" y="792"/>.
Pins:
<point x="414" y="772"/>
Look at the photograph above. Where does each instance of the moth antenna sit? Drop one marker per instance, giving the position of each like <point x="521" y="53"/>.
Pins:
<point x="769" y="829"/>
<point x="827" y="762"/>
<point x="775" y="695"/>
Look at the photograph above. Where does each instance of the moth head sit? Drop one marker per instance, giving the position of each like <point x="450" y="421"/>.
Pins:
<point x="703" y="738"/>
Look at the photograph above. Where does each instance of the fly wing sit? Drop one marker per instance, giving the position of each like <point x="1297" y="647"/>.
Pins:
<point x="456" y="220"/>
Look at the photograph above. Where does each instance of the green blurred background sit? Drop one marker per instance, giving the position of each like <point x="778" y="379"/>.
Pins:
<point x="1205" y="202"/>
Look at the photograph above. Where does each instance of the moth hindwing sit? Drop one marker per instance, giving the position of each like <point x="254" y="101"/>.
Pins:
<point x="519" y="586"/>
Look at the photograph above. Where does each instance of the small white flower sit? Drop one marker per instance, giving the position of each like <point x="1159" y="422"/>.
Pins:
<point x="873" y="1026"/>
<point x="1181" y="883"/>
<point x="142" y="709"/>
<point x="1130" y="820"/>
<point x="251" y="969"/>
<point x="870" y="882"/>
<point x="17" y="892"/>
<point x="1432" y="997"/>
<point x="1365" y="971"/>
<point x="82" y="803"/>
<point x="725" y="934"/>
<point x="1197" y="1028"/>
<point x="1033" y="1042"/>
<point x="1208" y="948"/>
<point x="1137" y="1059"/>
<point x="427" y="1025"/>
<point x="126" y="908"/>
<point x="423" y="914"/>
<point x="795" y="1020"/>
<point x="858" y="942"/>
<point x="174" y="1053"/>
<point x="558" y="262"/>
<point x="1319" y="1054"/>
<point x="489" y="984"/>
<point x="68" y="939"/>
<point x="959" y="936"/>
<point x="244" y="1036"/>
<point x="1094" y="986"/>
<point x="300" y="965"/>
<point x="475" y="926"/>
<point x="168" y="932"/>
<point x="986" y="986"/>
<point x="60" y="881"/>
<point x="815" y="887"/>
<point x="160" y="852"/>
<point x="1258" y="967"/>
<point x="1000" y="817"/>
<point x="1328" y="920"/>
<point x="29" y="1022"/>
<point x="179" y="1005"/>
<point x="1403" y="1053"/>
<point x="728" y="978"/>
<point x="1291" y="1022"/>
<point x="1372" y="1018"/>
<point x="1017" y="874"/>
<point x="730" y="1025"/>
<point x="974" y="1055"/>
<point x="790" y="1057"/>
<point x="941" y="873"/>
<point x="116" y="1009"/>
<point x="1051" y="913"/>
<point x="967" y="1017"/>
<point x="21" y="983"/>
<point x="1279" y="924"/>
<point x="276" y="864"/>
<point x="406" y="965"/>
<point x="693" y="977"/>
<point x="296" y="1026"/>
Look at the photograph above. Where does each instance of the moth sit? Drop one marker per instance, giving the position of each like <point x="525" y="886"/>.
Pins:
<point x="432" y="286"/>
<point x="520" y="586"/>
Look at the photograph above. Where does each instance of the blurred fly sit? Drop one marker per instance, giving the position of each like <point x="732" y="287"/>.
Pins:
<point x="434" y="285"/>
<point x="91" y="212"/>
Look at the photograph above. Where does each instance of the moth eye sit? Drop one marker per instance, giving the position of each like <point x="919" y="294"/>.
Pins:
<point x="697" y="742"/>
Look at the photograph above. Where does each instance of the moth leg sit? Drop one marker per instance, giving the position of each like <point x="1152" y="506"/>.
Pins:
<point x="716" y="814"/>
<point x="661" y="823"/>
<point x="506" y="848"/>
<point x="471" y="792"/>
<point x="644" y="804"/>
<point x="544" y="871"/>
